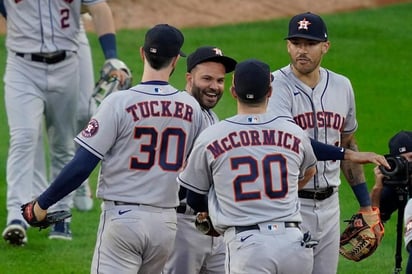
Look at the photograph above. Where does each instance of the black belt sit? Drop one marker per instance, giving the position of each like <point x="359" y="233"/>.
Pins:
<point x="117" y="203"/>
<point x="239" y="229"/>
<point x="319" y="195"/>
<point x="48" y="58"/>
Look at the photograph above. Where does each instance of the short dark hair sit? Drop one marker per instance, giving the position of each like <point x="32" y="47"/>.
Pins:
<point x="158" y="62"/>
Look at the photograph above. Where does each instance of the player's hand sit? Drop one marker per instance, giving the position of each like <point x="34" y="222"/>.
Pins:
<point x="115" y="68"/>
<point x="120" y="75"/>
<point x="201" y="216"/>
<point x="33" y="213"/>
<point x="366" y="158"/>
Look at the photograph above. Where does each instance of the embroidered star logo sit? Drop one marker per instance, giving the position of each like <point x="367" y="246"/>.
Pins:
<point x="304" y="24"/>
<point x="218" y="51"/>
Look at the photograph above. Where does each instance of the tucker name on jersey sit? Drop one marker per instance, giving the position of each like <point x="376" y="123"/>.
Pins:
<point x="157" y="108"/>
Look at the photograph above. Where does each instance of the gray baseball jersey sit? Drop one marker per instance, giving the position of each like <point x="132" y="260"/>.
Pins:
<point x="56" y="30"/>
<point x="251" y="164"/>
<point x="143" y="136"/>
<point x="324" y="113"/>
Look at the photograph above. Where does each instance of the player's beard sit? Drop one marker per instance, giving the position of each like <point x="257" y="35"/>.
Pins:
<point x="305" y="65"/>
<point x="204" y="98"/>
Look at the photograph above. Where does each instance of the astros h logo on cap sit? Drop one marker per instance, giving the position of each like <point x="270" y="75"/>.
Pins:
<point x="308" y="26"/>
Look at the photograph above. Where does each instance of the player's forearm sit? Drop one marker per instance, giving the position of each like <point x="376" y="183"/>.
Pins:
<point x="325" y="152"/>
<point x="353" y="172"/>
<point x="355" y="175"/>
<point x="70" y="178"/>
<point x="102" y="18"/>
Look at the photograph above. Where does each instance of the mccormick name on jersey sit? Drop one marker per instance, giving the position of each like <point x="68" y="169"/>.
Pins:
<point x="254" y="138"/>
<point x="156" y="108"/>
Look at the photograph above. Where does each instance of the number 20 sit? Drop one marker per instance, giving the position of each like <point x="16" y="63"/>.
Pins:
<point x="252" y="176"/>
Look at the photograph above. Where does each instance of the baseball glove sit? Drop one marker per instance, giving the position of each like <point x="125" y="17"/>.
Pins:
<point x="27" y="210"/>
<point x="205" y="226"/>
<point x="362" y="235"/>
<point x="107" y="83"/>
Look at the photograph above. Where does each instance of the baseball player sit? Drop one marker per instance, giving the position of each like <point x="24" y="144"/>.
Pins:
<point x="143" y="136"/>
<point x="194" y="252"/>
<point x="322" y="103"/>
<point x="251" y="166"/>
<point x="82" y="198"/>
<point x="42" y="80"/>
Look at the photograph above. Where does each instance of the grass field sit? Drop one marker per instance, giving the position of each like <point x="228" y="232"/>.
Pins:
<point x="371" y="47"/>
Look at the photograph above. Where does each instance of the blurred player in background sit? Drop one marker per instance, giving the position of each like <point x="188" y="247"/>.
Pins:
<point x="42" y="82"/>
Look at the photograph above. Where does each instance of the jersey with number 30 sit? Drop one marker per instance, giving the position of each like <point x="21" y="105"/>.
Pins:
<point x="251" y="164"/>
<point x="143" y="136"/>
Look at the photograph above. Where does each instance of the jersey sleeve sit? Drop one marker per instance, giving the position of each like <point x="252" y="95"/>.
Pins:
<point x="197" y="175"/>
<point x="351" y="123"/>
<point x="280" y="103"/>
<point x="101" y="132"/>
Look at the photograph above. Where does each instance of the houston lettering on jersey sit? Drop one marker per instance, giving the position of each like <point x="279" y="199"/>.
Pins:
<point x="254" y="138"/>
<point x="325" y="119"/>
<point x="157" y="108"/>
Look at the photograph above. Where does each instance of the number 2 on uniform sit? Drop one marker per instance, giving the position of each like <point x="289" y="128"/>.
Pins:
<point x="267" y="165"/>
<point x="64" y="21"/>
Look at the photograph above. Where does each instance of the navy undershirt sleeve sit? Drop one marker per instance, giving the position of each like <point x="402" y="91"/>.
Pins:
<point x="325" y="152"/>
<point x="197" y="201"/>
<point x="70" y="178"/>
<point x="3" y="9"/>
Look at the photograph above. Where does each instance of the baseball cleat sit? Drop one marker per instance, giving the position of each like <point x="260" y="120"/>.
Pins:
<point x="15" y="233"/>
<point x="82" y="199"/>
<point x="61" y="231"/>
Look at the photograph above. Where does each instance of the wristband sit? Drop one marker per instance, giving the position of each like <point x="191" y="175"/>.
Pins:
<point x="108" y="44"/>
<point x="362" y="194"/>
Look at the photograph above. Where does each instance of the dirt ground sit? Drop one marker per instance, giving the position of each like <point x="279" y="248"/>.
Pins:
<point x="186" y="13"/>
<point x="132" y="14"/>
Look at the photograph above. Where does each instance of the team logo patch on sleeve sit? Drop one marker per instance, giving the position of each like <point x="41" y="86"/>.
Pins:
<point x="91" y="129"/>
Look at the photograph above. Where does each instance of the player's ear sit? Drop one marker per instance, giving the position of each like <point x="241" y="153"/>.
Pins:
<point x="142" y="54"/>
<point x="175" y="59"/>
<point x="269" y="92"/>
<point x="233" y="92"/>
<point x="325" y="47"/>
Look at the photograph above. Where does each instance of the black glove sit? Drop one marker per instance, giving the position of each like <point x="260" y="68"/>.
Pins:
<point x="27" y="210"/>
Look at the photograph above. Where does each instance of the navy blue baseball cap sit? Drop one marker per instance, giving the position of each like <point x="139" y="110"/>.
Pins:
<point x="210" y="54"/>
<point x="252" y="79"/>
<point x="401" y="143"/>
<point x="308" y="26"/>
<point x="164" y="40"/>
